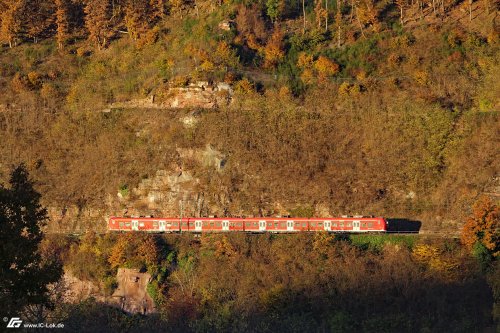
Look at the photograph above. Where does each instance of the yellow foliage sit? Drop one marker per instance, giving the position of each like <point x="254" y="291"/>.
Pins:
<point x="431" y="257"/>
<point x="285" y="92"/>
<point x="305" y="60"/>
<point x="422" y="77"/>
<point x="117" y="257"/>
<point x="35" y="79"/>
<point x="274" y="52"/>
<point x="307" y="76"/>
<point x="244" y="86"/>
<point x="344" y="89"/>
<point x="325" y="67"/>
<point x="224" y="248"/>
<point x="207" y="66"/>
<point x="253" y="43"/>
<point x="355" y="90"/>
<point x="423" y="253"/>
<point x="224" y="52"/>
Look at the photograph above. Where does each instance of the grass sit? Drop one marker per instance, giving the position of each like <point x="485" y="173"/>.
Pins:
<point x="377" y="242"/>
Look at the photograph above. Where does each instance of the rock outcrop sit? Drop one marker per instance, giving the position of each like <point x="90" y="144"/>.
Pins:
<point x="130" y="296"/>
<point x="199" y="94"/>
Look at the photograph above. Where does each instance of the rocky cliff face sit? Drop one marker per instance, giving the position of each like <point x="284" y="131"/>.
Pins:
<point x="169" y="192"/>
<point x="130" y="296"/>
<point x="201" y="94"/>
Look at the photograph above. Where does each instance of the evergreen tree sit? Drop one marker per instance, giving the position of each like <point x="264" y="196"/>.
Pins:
<point x="24" y="274"/>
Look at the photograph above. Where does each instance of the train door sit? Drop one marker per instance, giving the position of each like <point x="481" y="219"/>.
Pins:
<point x="289" y="225"/>
<point x="197" y="225"/>
<point x="162" y="226"/>
<point x="225" y="225"/>
<point x="355" y="226"/>
<point x="328" y="225"/>
<point x="135" y="225"/>
<point x="262" y="225"/>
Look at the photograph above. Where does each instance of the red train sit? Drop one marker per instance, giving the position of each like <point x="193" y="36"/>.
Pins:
<point x="257" y="224"/>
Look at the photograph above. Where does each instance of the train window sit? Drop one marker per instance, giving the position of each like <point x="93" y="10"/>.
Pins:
<point x="184" y="224"/>
<point x="275" y="224"/>
<point x="127" y="224"/>
<point x="304" y="224"/>
<point x="313" y="224"/>
<point x="121" y="224"/>
<point x="191" y="224"/>
<point x="211" y="223"/>
<point x="297" y="224"/>
<point x="248" y="224"/>
<point x="175" y="224"/>
<point x="205" y="223"/>
<point x="238" y="224"/>
<point x="370" y="224"/>
<point x="269" y="224"/>
<point x="155" y="224"/>
<point x="255" y="224"/>
<point x="363" y="224"/>
<point x="217" y="224"/>
<point x="283" y="224"/>
<point x="334" y="224"/>
<point x="341" y="224"/>
<point x="141" y="224"/>
<point x="349" y="224"/>
<point x="320" y="224"/>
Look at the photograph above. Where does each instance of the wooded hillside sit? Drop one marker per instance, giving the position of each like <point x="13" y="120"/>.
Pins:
<point x="339" y="107"/>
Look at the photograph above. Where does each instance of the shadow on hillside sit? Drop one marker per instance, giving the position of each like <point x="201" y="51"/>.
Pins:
<point x="403" y="225"/>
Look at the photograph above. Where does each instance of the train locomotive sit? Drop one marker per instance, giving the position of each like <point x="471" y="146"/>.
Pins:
<point x="349" y="224"/>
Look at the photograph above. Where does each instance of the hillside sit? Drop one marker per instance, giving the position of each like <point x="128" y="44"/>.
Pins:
<point x="252" y="108"/>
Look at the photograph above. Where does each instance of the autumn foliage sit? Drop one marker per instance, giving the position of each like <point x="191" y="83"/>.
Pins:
<point x="483" y="226"/>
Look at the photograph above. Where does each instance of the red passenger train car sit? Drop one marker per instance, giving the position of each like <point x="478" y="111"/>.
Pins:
<point x="255" y="224"/>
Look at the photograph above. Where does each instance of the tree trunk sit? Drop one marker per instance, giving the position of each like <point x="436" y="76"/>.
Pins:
<point x="470" y="10"/>
<point x="304" y="15"/>
<point x="326" y="17"/>
<point x="338" y="37"/>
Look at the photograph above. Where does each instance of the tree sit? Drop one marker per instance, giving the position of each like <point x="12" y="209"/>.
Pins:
<point x="177" y="6"/>
<point x="62" y="22"/>
<point x="321" y="13"/>
<point x="325" y="68"/>
<point x="10" y="27"/>
<point x="275" y="9"/>
<point x="304" y="16"/>
<point x="136" y="18"/>
<point x="273" y="52"/>
<point x="483" y="227"/>
<point x="24" y="275"/>
<point x="401" y="4"/>
<point x="97" y="21"/>
<point x="38" y="16"/>
<point x="339" y="25"/>
<point x="158" y="8"/>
